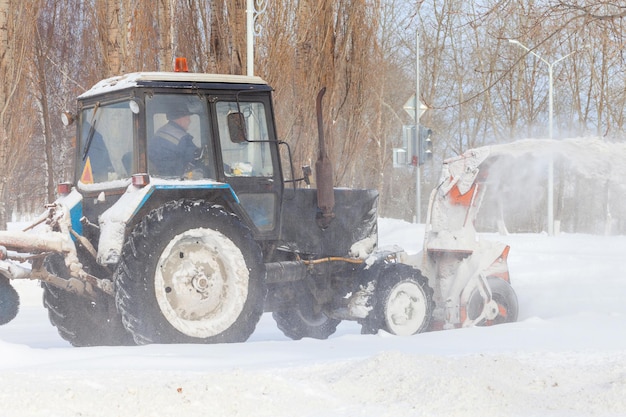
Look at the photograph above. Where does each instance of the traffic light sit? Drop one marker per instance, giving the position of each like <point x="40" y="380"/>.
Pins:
<point x="417" y="145"/>
<point x="425" y="144"/>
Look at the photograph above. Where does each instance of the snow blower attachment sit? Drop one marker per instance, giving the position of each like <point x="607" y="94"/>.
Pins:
<point x="192" y="247"/>
<point x="470" y="276"/>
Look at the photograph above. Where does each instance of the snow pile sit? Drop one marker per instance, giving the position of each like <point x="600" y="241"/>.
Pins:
<point x="565" y="357"/>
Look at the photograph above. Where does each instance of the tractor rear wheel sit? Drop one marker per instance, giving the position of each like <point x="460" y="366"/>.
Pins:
<point x="505" y="298"/>
<point x="402" y="302"/>
<point x="305" y="321"/>
<point x="190" y="273"/>
<point x="79" y="320"/>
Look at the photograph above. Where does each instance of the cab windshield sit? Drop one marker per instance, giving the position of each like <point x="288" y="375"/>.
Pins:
<point x="105" y="143"/>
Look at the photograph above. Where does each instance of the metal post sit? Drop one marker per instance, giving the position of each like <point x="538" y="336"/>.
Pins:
<point x="418" y="180"/>
<point x="550" y="112"/>
<point x="250" y="37"/>
<point x="551" y="161"/>
<point x="254" y="8"/>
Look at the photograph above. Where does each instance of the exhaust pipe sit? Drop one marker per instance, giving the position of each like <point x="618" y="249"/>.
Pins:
<point x="323" y="172"/>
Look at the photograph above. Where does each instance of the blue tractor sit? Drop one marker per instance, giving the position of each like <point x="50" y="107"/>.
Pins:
<point x="185" y="223"/>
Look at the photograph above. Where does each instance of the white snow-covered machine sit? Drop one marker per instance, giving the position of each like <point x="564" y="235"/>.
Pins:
<point x="470" y="277"/>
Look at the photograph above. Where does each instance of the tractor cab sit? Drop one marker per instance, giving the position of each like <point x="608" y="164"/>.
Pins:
<point x="168" y="131"/>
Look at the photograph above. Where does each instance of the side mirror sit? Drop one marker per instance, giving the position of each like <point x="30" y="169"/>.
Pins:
<point x="236" y="127"/>
<point x="306" y="174"/>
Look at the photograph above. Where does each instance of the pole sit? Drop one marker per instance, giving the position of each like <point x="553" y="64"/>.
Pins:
<point x="250" y="37"/>
<point x="418" y="180"/>
<point x="550" y="114"/>
<point x="551" y="161"/>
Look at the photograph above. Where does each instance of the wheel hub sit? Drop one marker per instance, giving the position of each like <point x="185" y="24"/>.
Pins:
<point x="201" y="283"/>
<point x="406" y="308"/>
<point x="492" y="310"/>
<point x="403" y="312"/>
<point x="193" y="294"/>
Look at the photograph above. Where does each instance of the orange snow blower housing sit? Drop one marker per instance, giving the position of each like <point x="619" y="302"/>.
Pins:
<point x="470" y="277"/>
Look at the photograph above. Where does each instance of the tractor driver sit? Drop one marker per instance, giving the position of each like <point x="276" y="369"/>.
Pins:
<point x="172" y="152"/>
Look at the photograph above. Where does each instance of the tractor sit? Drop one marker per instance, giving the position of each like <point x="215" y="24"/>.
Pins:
<point x="185" y="222"/>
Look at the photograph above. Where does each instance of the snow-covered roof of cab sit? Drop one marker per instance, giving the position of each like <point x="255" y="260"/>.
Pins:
<point x="178" y="79"/>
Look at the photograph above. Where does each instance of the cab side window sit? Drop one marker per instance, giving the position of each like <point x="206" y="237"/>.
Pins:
<point x="179" y="144"/>
<point x="245" y="158"/>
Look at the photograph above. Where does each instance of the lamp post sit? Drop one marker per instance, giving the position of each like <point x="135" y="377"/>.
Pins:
<point x="418" y="179"/>
<point x="550" y="112"/>
<point x="254" y="8"/>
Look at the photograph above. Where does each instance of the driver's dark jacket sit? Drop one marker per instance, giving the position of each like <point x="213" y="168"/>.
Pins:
<point x="171" y="151"/>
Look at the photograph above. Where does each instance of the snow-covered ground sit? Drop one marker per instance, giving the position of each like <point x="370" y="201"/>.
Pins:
<point x="566" y="356"/>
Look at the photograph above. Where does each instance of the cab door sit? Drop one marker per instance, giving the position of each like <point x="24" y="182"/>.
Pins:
<point x="248" y="159"/>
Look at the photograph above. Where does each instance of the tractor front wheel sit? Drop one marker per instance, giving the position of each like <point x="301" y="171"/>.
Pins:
<point x="402" y="302"/>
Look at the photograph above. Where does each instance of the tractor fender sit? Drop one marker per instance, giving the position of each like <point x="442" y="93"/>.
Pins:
<point x="114" y="221"/>
<point x="73" y="203"/>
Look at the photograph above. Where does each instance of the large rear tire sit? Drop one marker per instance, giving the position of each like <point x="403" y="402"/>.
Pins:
<point x="79" y="320"/>
<point x="305" y="321"/>
<point x="190" y="273"/>
<point x="402" y="302"/>
<point x="505" y="298"/>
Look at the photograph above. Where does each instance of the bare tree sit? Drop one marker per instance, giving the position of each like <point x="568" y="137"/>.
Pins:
<point x="480" y="89"/>
<point x="330" y="44"/>
<point x="16" y="35"/>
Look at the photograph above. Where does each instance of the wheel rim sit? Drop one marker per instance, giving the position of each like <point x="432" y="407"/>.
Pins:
<point x="499" y="313"/>
<point x="201" y="282"/>
<point x="406" y="308"/>
<point x="503" y="301"/>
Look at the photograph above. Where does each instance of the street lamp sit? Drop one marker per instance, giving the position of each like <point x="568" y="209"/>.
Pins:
<point x="418" y="180"/>
<point x="254" y="8"/>
<point x="551" y="162"/>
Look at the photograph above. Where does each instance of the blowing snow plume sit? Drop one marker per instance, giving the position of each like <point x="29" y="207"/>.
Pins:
<point x="586" y="170"/>
<point x="591" y="158"/>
